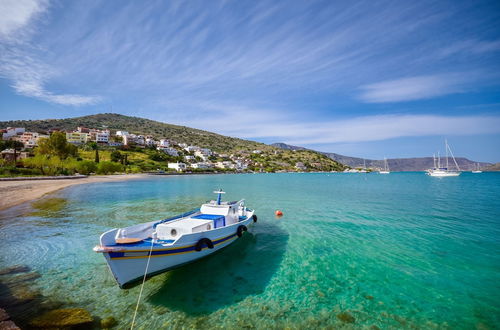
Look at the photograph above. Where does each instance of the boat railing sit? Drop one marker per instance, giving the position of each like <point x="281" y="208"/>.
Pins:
<point x="180" y="216"/>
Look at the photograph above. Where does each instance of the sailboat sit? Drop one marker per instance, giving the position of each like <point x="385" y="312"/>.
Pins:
<point x="477" y="170"/>
<point x="386" y="167"/>
<point x="363" y="170"/>
<point x="439" y="171"/>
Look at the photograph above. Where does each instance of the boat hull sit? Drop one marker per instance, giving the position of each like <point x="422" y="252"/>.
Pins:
<point x="129" y="265"/>
<point x="444" y="174"/>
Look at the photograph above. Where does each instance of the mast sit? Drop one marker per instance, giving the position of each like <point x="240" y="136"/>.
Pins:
<point x="456" y="164"/>
<point x="446" y="146"/>
<point x="439" y="161"/>
<point x="434" y="160"/>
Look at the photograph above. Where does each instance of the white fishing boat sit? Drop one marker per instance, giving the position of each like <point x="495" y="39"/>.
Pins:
<point x="386" y="167"/>
<point x="439" y="171"/>
<point x="151" y="248"/>
<point x="477" y="170"/>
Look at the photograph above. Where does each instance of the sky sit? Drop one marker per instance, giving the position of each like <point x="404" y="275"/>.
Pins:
<point x="370" y="79"/>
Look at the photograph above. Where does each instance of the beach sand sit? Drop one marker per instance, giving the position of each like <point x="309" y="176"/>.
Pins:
<point x="13" y="193"/>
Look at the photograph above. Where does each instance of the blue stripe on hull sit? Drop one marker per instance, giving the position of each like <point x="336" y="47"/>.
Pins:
<point x="115" y="255"/>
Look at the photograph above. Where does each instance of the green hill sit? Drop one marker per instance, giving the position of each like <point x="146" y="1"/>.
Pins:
<point x="269" y="159"/>
<point x="116" y="122"/>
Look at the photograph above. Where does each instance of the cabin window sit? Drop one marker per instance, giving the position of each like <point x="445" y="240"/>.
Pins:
<point x="173" y="232"/>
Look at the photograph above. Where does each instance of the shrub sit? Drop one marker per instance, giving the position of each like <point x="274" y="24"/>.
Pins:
<point x="86" y="167"/>
<point x="108" y="167"/>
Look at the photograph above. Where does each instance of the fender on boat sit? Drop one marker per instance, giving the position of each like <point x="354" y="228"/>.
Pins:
<point x="254" y="217"/>
<point x="202" y="242"/>
<point x="240" y="230"/>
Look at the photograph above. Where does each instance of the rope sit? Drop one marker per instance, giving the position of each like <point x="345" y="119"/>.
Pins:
<point x="142" y="285"/>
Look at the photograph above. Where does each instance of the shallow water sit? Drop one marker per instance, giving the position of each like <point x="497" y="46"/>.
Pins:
<point x="401" y="250"/>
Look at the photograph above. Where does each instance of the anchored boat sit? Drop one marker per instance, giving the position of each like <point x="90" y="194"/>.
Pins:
<point x="155" y="247"/>
<point x="439" y="171"/>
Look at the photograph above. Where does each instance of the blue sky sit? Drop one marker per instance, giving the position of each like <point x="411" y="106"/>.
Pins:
<point x="368" y="79"/>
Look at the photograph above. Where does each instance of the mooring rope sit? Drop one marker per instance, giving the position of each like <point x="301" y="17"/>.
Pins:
<point x="142" y="285"/>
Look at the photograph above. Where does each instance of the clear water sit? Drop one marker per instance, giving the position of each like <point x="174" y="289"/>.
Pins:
<point x="402" y="250"/>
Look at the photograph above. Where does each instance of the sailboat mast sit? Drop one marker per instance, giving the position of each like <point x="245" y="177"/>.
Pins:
<point x="446" y="146"/>
<point x="439" y="161"/>
<point x="454" y="160"/>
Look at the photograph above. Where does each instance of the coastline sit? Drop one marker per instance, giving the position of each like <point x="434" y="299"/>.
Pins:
<point x="14" y="193"/>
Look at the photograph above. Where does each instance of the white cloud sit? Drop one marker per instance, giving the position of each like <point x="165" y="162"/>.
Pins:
<point x="279" y="125"/>
<point x="413" y="88"/>
<point x="16" y="14"/>
<point x="29" y="75"/>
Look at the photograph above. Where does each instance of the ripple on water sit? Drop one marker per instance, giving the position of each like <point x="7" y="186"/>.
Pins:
<point x="400" y="251"/>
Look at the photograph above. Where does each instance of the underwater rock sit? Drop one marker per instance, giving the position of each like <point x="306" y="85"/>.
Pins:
<point x="22" y="278"/>
<point x="14" y="270"/>
<point x="3" y="315"/>
<point x="369" y="297"/>
<point x="108" y="322"/>
<point x="374" y="327"/>
<point x="61" y="318"/>
<point x="8" y="325"/>
<point x="346" y="317"/>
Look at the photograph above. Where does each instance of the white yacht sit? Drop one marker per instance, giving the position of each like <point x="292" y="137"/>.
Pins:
<point x="477" y="170"/>
<point x="439" y="171"/>
<point x="386" y="167"/>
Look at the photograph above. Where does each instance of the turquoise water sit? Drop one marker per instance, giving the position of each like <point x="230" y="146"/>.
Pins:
<point x="393" y="251"/>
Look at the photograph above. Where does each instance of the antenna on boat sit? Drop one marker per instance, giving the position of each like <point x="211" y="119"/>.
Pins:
<point x="219" y="195"/>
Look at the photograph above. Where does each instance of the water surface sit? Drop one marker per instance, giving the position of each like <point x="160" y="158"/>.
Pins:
<point x="400" y="250"/>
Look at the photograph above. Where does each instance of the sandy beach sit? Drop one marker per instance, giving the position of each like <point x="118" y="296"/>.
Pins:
<point x="13" y="193"/>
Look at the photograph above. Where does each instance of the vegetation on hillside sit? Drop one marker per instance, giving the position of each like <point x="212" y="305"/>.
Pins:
<point x="56" y="156"/>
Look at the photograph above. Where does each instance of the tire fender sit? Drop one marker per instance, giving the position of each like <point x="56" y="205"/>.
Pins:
<point x="202" y="243"/>
<point x="240" y="230"/>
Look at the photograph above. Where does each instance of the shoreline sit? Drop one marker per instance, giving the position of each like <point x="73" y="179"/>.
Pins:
<point x="16" y="192"/>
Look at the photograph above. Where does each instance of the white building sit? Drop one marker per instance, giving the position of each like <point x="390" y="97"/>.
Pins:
<point x="164" y="143"/>
<point x="225" y="164"/>
<point x="257" y="151"/>
<point x="121" y="133"/>
<point x="140" y="140"/>
<point x="102" y="137"/>
<point x="201" y="165"/>
<point x="203" y="153"/>
<point x="189" y="158"/>
<point x="150" y="141"/>
<point x="12" y="131"/>
<point x="183" y="145"/>
<point x="191" y="148"/>
<point x="179" y="167"/>
<point x="168" y="150"/>
<point x="30" y="139"/>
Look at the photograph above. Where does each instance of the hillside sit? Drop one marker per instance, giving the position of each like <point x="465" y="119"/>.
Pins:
<point x="493" y="167"/>
<point x="136" y="125"/>
<point x="267" y="158"/>
<point x="395" y="164"/>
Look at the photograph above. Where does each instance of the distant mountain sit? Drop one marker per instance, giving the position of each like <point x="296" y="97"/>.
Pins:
<point x="395" y="164"/>
<point x="492" y="167"/>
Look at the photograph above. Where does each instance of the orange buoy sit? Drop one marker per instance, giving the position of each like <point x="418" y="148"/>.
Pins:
<point x="278" y="213"/>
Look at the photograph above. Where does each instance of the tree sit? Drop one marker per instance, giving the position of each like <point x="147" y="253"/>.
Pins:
<point x="10" y="144"/>
<point x="56" y="145"/>
<point x="96" y="156"/>
<point x="116" y="156"/>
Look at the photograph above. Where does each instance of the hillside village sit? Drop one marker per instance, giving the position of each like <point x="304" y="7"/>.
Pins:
<point x="149" y="153"/>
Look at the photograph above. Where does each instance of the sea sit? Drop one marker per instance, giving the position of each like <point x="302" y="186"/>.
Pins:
<point x="357" y="251"/>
